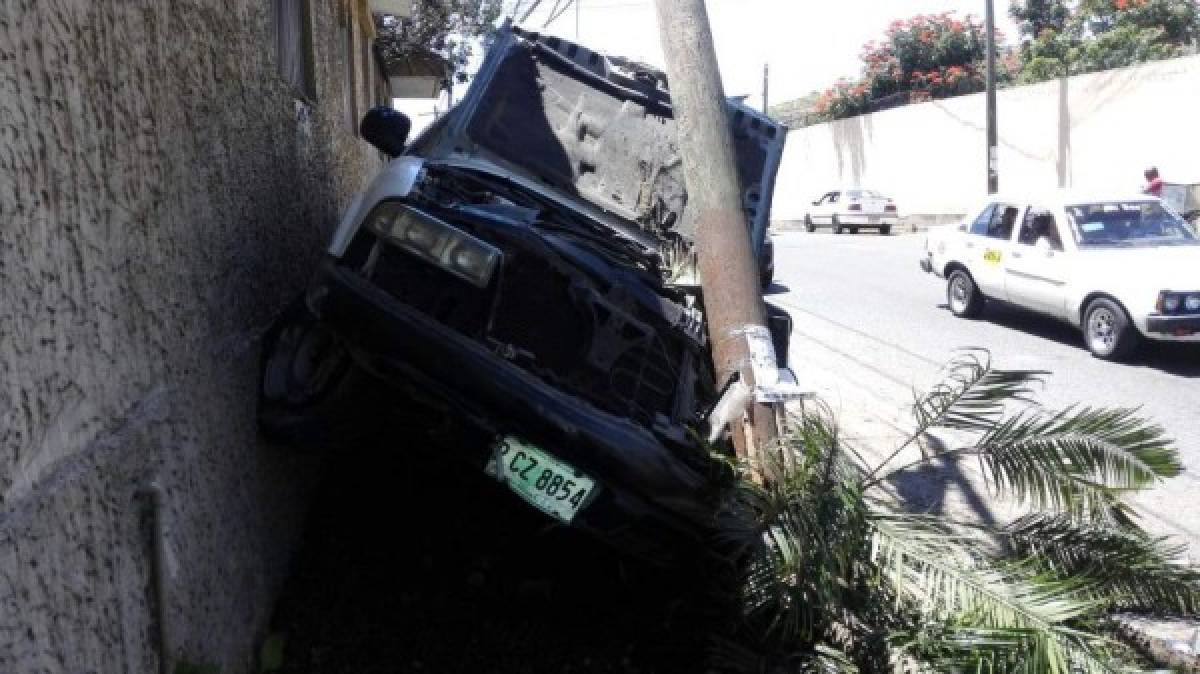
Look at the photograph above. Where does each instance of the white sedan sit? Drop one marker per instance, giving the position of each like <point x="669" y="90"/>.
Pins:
<point x="1120" y="268"/>
<point x="852" y="209"/>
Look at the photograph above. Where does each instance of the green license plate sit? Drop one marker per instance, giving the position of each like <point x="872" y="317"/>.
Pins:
<point x="548" y="484"/>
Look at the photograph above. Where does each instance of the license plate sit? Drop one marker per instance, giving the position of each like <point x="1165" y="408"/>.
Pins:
<point x="545" y="482"/>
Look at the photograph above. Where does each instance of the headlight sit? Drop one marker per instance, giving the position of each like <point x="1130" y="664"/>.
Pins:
<point x="435" y="241"/>
<point x="1172" y="302"/>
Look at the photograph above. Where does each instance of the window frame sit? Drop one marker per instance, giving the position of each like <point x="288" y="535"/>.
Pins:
<point x="984" y="216"/>
<point x="1035" y="212"/>
<point x="306" y="88"/>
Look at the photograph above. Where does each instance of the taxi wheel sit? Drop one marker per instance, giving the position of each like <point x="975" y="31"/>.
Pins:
<point x="837" y="226"/>
<point x="963" y="295"/>
<point x="1108" y="331"/>
<point x="808" y="225"/>
<point x="854" y="230"/>
<point x="885" y="230"/>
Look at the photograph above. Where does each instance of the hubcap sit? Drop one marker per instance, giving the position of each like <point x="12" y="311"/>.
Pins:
<point x="958" y="293"/>
<point x="1102" y="330"/>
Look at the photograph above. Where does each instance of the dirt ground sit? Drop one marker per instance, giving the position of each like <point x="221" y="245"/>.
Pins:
<point x="416" y="563"/>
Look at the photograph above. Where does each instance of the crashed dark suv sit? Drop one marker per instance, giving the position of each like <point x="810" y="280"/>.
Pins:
<point x="528" y="266"/>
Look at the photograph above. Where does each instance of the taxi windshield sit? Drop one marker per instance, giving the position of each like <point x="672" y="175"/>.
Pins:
<point x="1129" y="223"/>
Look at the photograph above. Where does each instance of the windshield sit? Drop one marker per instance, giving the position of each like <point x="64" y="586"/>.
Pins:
<point x="1128" y="223"/>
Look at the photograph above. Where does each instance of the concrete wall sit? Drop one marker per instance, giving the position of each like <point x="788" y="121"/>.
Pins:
<point x="162" y="194"/>
<point x="1091" y="131"/>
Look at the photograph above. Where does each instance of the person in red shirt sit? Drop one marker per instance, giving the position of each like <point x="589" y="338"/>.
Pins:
<point x="1154" y="184"/>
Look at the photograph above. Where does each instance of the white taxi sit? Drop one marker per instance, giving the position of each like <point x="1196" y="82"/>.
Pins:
<point x="1121" y="268"/>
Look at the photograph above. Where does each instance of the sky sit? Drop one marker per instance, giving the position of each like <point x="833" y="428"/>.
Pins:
<point x="808" y="44"/>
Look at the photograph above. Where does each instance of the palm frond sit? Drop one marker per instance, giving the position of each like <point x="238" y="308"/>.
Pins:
<point x="973" y="394"/>
<point x="1079" y="461"/>
<point x="801" y="534"/>
<point x="1129" y="570"/>
<point x="727" y="655"/>
<point x="950" y="584"/>
<point x="946" y="579"/>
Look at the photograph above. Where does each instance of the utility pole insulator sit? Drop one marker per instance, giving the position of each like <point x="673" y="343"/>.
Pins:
<point x="724" y="255"/>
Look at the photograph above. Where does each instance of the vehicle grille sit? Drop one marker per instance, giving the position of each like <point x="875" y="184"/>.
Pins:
<point x="435" y="292"/>
<point x="539" y="314"/>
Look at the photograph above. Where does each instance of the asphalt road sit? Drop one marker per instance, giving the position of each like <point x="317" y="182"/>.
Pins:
<point x="870" y="327"/>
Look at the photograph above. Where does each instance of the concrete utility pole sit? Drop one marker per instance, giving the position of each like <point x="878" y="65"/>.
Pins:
<point x="766" y="79"/>
<point x="728" y="272"/>
<point x="993" y="181"/>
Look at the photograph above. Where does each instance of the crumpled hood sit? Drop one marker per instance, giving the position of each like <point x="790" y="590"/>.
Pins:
<point x="598" y="131"/>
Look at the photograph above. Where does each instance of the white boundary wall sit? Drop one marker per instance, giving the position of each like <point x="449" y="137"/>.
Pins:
<point x="1095" y="131"/>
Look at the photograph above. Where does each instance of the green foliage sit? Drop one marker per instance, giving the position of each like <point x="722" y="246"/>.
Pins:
<point x="450" y="29"/>
<point x="925" y="57"/>
<point x="270" y="656"/>
<point x="1059" y="39"/>
<point x="839" y="577"/>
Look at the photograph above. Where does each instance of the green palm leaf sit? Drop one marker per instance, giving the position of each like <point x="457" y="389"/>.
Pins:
<point x="1079" y="461"/>
<point x="1130" y="570"/>
<point x="972" y="394"/>
<point x="948" y="583"/>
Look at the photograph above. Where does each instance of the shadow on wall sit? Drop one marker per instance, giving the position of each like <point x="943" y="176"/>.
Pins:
<point x="850" y="137"/>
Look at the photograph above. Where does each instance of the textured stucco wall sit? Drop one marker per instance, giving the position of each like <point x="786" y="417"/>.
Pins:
<point x="162" y="194"/>
<point x="1092" y="132"/>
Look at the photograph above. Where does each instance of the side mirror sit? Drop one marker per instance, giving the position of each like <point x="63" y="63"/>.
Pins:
<point x="387" y="129"/>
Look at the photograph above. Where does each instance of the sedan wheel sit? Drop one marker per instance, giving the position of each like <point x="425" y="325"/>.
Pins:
<point x="1107" y="330"/>
<point x="808" y="225"/>
<point x="963" y="295"/>
<point x="837" y="226"/>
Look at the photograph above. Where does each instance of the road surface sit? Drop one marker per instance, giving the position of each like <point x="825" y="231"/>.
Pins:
<point x="870" y="327"/>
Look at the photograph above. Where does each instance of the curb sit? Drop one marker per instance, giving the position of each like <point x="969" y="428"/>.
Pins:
<point x="909" y="224"/>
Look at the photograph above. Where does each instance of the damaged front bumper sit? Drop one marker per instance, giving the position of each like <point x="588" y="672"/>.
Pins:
<point x="646" y="482"/>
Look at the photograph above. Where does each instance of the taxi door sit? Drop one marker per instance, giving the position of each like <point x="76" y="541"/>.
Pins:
<point x="1037" y="269"/>
<point x="989" y="247"/>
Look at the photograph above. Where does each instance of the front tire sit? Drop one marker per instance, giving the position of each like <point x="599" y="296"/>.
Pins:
<point x="808" y="225"/>
<point x="885" y="230"/>
<point x="311" y="393"/>
<point x="837" y="226"/>
<point x="963" y="295"/>
<point x="1107" y="330"/>
<point x="854" y="230"/>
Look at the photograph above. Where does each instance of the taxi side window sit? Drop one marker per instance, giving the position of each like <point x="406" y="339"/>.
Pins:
<point x="1001" y="225"/>
<point x="1039" y="224"/>
<point x="980" y="224"/>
